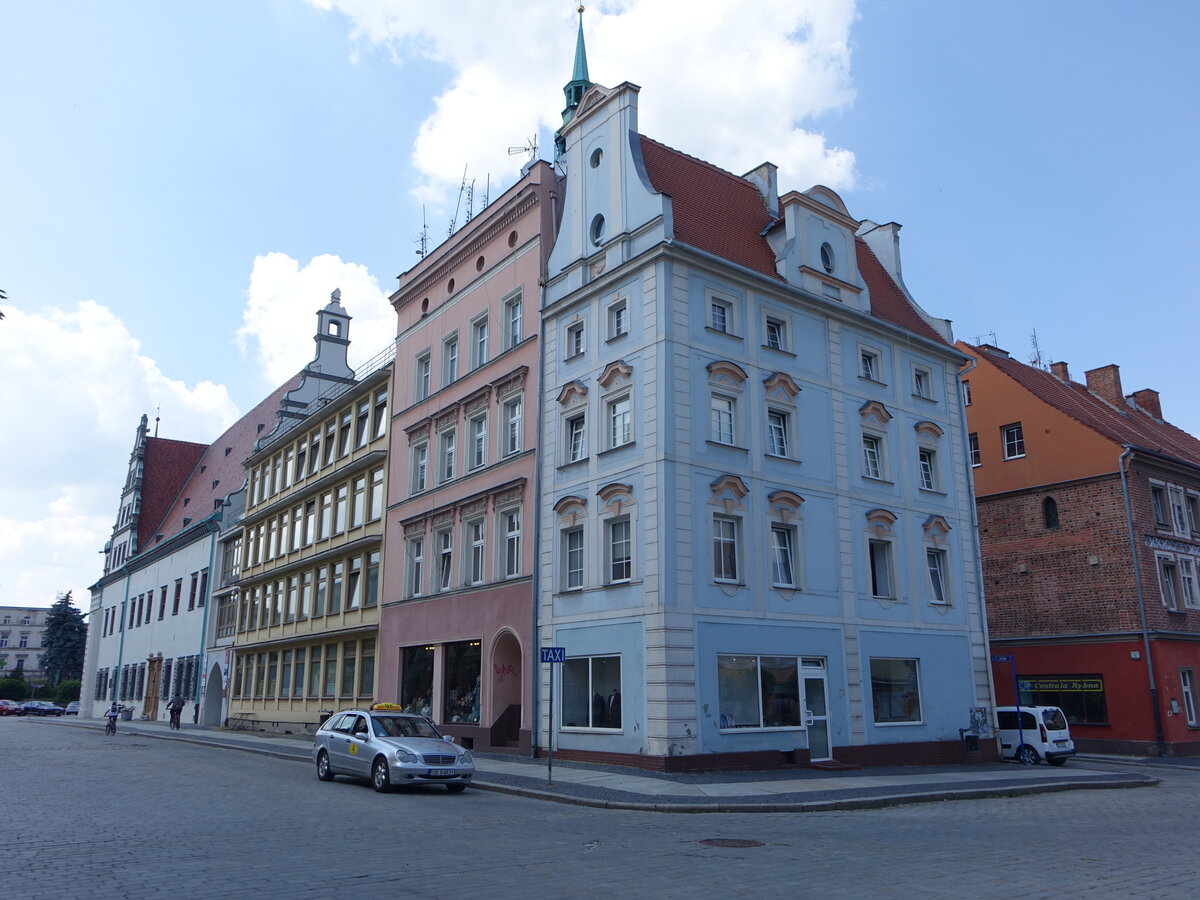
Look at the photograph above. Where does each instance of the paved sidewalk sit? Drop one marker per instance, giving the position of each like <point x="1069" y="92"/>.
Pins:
<point x="788" y="790"/>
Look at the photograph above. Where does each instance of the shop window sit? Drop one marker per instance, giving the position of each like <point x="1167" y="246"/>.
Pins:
<point x="461" y="702"/>
<point x="591" y="692"/>
<point x="895" y="691"/>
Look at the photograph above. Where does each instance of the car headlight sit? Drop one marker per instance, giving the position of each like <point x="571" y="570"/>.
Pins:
<point x="466" y="757"/>
<point x="403" y="756"/>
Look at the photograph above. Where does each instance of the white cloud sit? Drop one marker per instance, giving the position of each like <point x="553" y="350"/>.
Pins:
<point x="726" y="81"/>
<point x="280" y="317"/>
<point x="77" y="385"/>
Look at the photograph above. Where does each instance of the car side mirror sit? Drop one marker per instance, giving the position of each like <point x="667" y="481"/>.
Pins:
<point x="448" y="738"/>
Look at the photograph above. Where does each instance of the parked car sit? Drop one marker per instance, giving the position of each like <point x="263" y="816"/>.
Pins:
<point x="72" y="708"/>
<point x="1043" y="734"/>
<point x="391" y="748"/>
<point x="41" y="708"/>
<point x="11" y="708"/>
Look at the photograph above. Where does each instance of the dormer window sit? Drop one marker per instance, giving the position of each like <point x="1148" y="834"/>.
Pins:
<point x="828" y="260"/>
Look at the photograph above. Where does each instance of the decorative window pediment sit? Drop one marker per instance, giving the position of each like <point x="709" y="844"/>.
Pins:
<point x="418" y="432"/>
<point x="615" y="497"/>
<point x="473" y="510"/>
<point x="779" y="386"/>
<point x="508" y="497"/>
<point x="875" y="415"/>
<point x="936" y="529"/>
<point x="478" y="401"/>
<point x="570" y="509"/>
<point x="513" y="382"/>
<point x="414" y="529"/>
<point x="573" y="393"/>
<point x="726" y="373"/>
<point x="729" y="491"/>
<point x="929" y="429"/>
<point x="880" y="521"/>
<point x="443" y="518"/>
<point x="616" y="374"/>
<point x="785" y="505"/>
<point x="448" y="418"/>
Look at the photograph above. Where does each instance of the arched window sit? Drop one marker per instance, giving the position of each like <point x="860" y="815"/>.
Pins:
<point x="1050" y="512"/>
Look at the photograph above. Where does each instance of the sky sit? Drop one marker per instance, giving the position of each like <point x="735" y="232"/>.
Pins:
<point x="183" y="184"/>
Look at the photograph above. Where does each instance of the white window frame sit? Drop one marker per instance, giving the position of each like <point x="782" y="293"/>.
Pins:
<point x="873" y="460"/>
<point x="444" y="541"/>
<point x="870" y="364"/>
<point x="922" y="383"/>
<point x="450" y="359"/>
<point x="721" y="313"/>
<point x="1168" y="580"/>
<point x="513" y="414"/>
<point x="510" y="528"/>
<point x="575" y="340"/>
<point x="1177" y="500"/>
<point x="618" y="550"/>
<point x="779" y="436"/>
<point x="722" y="427"/>
<point x="573" y="559"/>
<point x="783" y="554"/>
<point x="726" y="549"/>
<point x="973" y="450"/>
<point x="927" y="466"/>
<point x="966" y="391"/>
<point x="513" y="322"/>
<point x="479" y="342"/>
<point x="477" y="433"/>
<point x="422" y="382"/>
<point x="1189" y="588"/>
<point x="416" y="566"/>
<point x="1161" y="506"/>
<point x="1012" y="437"/>
<point x="475" y="562"/>
<point x="616" y="315"/>
<point x="447" y="450"/>
<point x="780" y="341"/>
<point x="937" y="563"/>
<point x="881" y="550"/>
<point x="620" y="425"/>
<point x="419" y="476"/>
<point x="575" y="439"/>
<point x="1187" y="685"/>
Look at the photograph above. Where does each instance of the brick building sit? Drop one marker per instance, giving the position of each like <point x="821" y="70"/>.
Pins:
<point x="1089" y="527"/>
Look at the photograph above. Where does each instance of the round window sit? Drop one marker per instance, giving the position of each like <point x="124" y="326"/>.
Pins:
<point x="827" y="258"/>
<point x="450" y="286"/>
<point x="425" y="306"/>
<point x="595" y="158"/>
<point x="479" y="264"/>
<point x="597" y="230"/>
<point x="512" y="239"/>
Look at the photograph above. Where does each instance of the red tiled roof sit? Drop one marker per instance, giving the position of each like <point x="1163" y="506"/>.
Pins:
<point x="713" y="210"/>
<point x="218" y="471"/>
<point x="1124" y="426"/>
<point x="724" y="214"/>
<point x="166" y="465"/>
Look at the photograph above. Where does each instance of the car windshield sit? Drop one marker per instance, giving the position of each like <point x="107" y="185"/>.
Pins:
<point x="1054" y="720"/>
<point x="405" y="727"/>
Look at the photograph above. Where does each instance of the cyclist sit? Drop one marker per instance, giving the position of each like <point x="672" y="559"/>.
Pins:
<point x="176" y="707"/>
<point x="111" y="714"/>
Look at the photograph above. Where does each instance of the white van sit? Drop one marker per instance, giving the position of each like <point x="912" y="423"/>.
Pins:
<point x="1043" y="734"/>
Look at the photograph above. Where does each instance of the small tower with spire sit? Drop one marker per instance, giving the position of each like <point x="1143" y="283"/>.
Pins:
<point x="574" y="89"/>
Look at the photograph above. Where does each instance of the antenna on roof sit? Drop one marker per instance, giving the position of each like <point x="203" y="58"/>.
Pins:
<point x="991" y="339"/>
<point x="470" y="200"/>
<point x="1035" y="358"/>
<point x="422" y="240"/>
<point x="157" y="413"/>
<point x="487" y="192"/>
<point x="530" y="147"/>
<point x="461" y="190"/>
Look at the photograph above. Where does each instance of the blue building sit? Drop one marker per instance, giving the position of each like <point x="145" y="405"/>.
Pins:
<point x="757" y="543"/>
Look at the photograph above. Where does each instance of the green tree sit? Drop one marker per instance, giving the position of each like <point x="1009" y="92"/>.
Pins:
<point x="65" y="640"/>
<point x="68" y="691"/>
<point x="14" y="689"/>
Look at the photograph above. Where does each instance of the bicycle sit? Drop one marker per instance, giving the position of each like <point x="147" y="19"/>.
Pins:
<point x="175" y="719"/>
<point x="110" y="726"/>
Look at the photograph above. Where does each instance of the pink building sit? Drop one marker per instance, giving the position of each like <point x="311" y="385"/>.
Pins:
<point x="456" y="626"/>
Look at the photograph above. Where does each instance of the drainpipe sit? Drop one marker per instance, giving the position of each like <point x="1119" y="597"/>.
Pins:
<point x="1159" y="737"/>
<point x="214" y="528"/>
<point x="535" y="650"/>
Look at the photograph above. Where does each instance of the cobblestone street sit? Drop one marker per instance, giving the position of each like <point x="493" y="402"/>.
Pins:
<point x="105" y="817"/>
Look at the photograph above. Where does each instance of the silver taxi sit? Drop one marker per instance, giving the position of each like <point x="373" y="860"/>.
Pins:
<point x="391" y="748"/>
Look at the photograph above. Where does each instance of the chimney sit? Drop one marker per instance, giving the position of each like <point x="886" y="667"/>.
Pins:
<point x="1105" y="383"/>
<point x="1147" y="401"/>
<point x="1059" y="371"/>
<point x="994" y="350"/>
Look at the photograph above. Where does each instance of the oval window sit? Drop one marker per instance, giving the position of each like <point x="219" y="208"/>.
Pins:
<point x="512" y="239"/>
<point x="827" y="259"/>
<point x="450" y="286"/>
<point x="479" y="264"/>
<point x="596" y="156"/>
<point x="597" y="230"/>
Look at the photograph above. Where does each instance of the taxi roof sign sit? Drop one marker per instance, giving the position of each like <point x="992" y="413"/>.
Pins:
<point x="388" y="706"/>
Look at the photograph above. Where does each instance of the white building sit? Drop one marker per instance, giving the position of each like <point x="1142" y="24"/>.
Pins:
<point x="21" y="645"/>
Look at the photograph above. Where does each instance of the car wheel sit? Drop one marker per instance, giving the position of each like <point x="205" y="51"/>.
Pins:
<point x="1058" y="761"/>
<point x="323" y="771"/>
<point x="381" y="778"/>
<point x="1028" y="755"/>
<point x="456" y="788"/>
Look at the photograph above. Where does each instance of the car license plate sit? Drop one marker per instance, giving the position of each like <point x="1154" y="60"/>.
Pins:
<point x="441" y="773"/>
<point x="1060" y="743"/>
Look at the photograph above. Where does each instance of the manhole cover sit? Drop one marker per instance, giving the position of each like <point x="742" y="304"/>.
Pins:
<point x="731" y="842"/>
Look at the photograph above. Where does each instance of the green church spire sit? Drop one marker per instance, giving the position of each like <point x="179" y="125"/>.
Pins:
<point x="574" y="89"/>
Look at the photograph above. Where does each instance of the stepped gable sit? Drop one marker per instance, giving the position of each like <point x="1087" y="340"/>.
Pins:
<point x="1124" y="426"/>
<point x="219" y="472"/>
<point x="713" y="210"/>
<point x="166" y="465"/>
<point x="888" y="302"/>
<point x="724" y="214"/>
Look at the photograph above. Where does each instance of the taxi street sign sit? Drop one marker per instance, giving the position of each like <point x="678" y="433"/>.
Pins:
<point x="1002" y="658"/>
<point x="554" y="654"/>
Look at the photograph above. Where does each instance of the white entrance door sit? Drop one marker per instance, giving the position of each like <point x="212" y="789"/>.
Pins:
<point x="816" y="709"/>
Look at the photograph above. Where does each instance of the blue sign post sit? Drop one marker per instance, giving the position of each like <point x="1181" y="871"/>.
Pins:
<point x="1012" y="661"/>
<point x="554" y="656"/>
